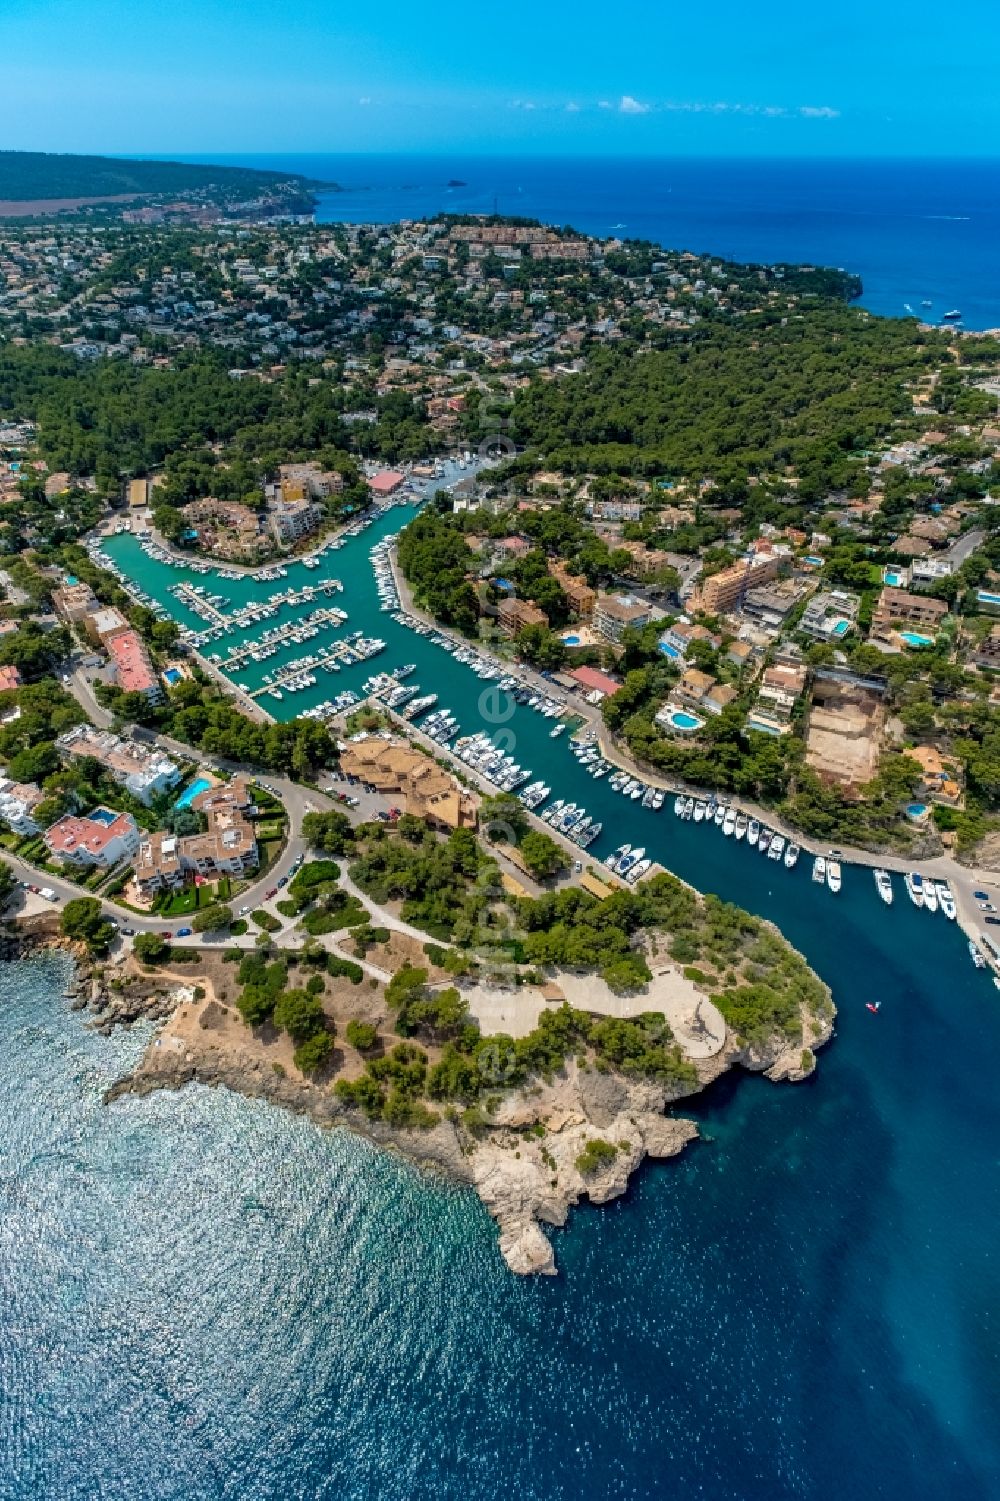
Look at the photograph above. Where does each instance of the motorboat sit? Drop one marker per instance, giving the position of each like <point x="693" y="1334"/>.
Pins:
<point x="931" y="902"/>
<point x="742" y="823"/>
<point x="679" y="805"/>
<point x="975" y="955"/>
<point x="792" y="854"/>
<point x="947" y="900"/>
<point x="729" y="822"/>
<point x="777" y="847"/>
<point x="719" y="816"/>
<point x="883" y="885"/>
<point x="833" y="873"/>
<point x="753" y="831"/>
<point x="763" y="840"/>
<point x="914" y="883"/>
<point x="699" y="811"/>
<point x="819" y="869"/>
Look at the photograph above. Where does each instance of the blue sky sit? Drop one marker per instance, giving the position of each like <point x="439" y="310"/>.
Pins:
<point x="874" y="78"/>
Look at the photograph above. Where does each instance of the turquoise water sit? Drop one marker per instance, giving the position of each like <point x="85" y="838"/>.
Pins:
<point x="201" y="1297"/>
<point x="189" y="794"/>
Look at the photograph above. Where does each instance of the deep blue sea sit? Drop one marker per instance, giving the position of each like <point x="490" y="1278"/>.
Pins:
<point x="913" y="230"/>
<point x="205" y="1299"/>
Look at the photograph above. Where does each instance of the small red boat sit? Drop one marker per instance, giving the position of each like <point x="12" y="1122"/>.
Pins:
<point x="873" y="1005"/>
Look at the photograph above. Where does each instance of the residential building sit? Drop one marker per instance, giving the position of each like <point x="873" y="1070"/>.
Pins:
<point x="429" y="791"/>
<point x="102" y="838"/>
<point x="226" y="528"/>
<point x="909" y="609"/>
<point x="513" y="614"/>
<point x="614" y="614"/>
<point x="987" y="653"/>
<point x="693" y="686"/>
<point x="18" y="801"/>
<point x="719" y="697"/>
<point x="74" y="601"/>
<point x="679" y="637"/>
<point x="134" y="672"/>
<point x="595" y="685"/>
<point x="830" y="614"/>
<point x="722" y="591"/>
<point x="227" y="847"/>
<point x="10" y="678"/>
<point x="771" y="604"/>
<point x="144" y="771"/>
<point x="780" y="689"/>
<point x="581" y="596"/>
<point x="292" y="519"/>
<point x="309" y="480"/>
<point x="102" y="624"/>
<point x="939" y="775"/>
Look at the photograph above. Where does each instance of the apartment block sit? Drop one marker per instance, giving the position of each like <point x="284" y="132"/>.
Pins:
<point x="614" y="614"/>
<point x="291" y="520"/>
<point x="134" y="672"/>
<point x="513" y="614"/>
<point x="722" y="591"/>
<point x="910" y="609"/>
<point x="18" y="801"/>
<point x="73" y="602"/>
<point x="102" y="838"/>
<point x="142" y="770"/>
<point x="227" y="847"/>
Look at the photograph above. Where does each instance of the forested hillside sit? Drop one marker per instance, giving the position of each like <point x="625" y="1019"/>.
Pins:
<point x="30" y="175"/>
<point x="742" y="398"/>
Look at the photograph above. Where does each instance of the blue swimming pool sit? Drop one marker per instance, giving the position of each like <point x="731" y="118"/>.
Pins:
<point x="680" y="719"/>
<point x="668" y="650"/>
<point x="172" y="676"/>
<point x="842" y="627"/>
<point x="103" y="816"/>
<point x="914" y="638"/>
<point x="199" y="785"/>
<point x="571" y="640"/>
<point x="916" y="810"/>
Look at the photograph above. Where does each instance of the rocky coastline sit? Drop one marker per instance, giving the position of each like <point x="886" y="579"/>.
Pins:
<point x="524" y="1165"/>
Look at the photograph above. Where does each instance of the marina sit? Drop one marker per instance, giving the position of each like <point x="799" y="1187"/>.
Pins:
<point x="470" y="700"/>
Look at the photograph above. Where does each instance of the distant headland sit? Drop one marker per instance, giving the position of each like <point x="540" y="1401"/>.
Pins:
<point x="39" y="184"/>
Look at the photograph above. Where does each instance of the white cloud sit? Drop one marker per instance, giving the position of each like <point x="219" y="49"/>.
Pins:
<point x="604" y="104"/>
<point x="819" y="112"/>
<point x="629" y="106"/>
<point x="572" y="108"/>
<point x="365" y="100"/>
<point x="522" y="104"/>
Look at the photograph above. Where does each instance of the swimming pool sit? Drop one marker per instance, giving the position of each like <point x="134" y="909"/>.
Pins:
<point x="571" y="640"/>
<point x="172" y="676"/>
<point x="198" y="785"/>
<point x="102" y="816"/>
<point x="916" y="811"/>
<point x="668" y="650"/>
<point x="913" y="638"/>
<point x="680" y="719"/>
<point x="841" y="628"/>
<point x="893" y="578"/>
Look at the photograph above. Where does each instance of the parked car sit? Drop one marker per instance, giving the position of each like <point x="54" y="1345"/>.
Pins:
<point x="282" y="880"/>
<point x="183" y="932"/>
<point x="129" y="932"/>
<point x="994" y="922"/>
<point x="273" y="892"/>
<point x="167" y="934"/>
<point x="244" y="911"/>
<point x="986" y="907"/>
<point x="981" y="896"/>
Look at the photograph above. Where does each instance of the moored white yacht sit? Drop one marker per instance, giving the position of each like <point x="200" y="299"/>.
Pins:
<point x="753" y="831"/>
<point x="947" y="900"/>
<point x="931" y="903"/>
<point x="883" y="885"/>
<point x="914" y="883"/>
<point x="792" y="854"/>
<point x="819" y="869"/>
<point x="833" y="872"/>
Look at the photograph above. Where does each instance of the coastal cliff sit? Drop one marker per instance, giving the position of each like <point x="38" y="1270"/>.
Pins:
<point x="529" y="1164"/>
